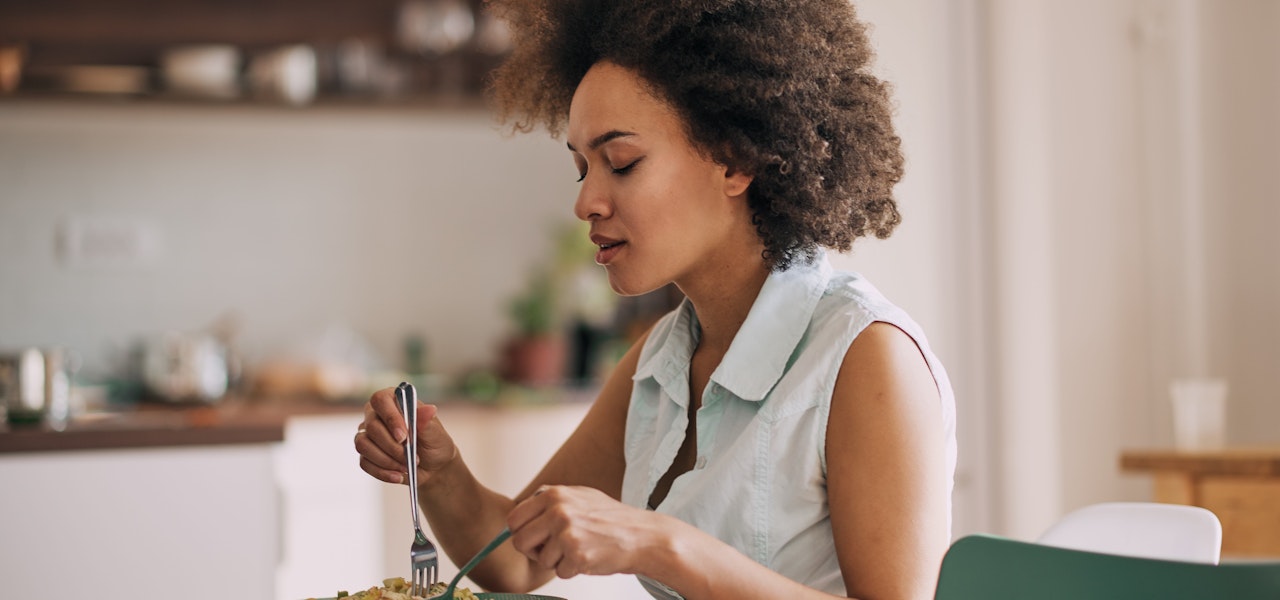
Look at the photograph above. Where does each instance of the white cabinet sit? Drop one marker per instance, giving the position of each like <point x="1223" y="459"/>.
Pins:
<point x="200" y="523"/>
<point x="252" y="522"/>
<point x="333" y="519"/>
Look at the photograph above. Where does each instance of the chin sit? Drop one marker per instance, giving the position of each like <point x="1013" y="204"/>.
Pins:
<point x="626" y="287"/>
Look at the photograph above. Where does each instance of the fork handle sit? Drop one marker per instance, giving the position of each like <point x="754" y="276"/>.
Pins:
<point x="408" y="399"/>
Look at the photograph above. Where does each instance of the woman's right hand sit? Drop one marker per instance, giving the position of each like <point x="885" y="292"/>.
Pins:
<point x="380" y="440"/>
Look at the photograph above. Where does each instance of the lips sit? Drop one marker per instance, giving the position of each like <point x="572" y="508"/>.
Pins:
<point x="609" y="248"/>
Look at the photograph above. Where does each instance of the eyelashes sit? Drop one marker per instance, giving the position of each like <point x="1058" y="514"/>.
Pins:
<point x="623" y="170"/>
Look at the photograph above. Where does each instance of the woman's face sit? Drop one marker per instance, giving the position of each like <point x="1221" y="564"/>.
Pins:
<point x="659" y="210"/>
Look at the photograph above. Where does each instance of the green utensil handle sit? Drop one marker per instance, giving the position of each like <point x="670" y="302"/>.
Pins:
<point x="475" y="560"/>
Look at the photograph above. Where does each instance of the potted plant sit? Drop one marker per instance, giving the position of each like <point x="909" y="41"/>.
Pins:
<point x="535" y="355"/>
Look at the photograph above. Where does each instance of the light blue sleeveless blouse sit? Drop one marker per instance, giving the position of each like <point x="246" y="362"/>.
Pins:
<point x="759" y="480"/>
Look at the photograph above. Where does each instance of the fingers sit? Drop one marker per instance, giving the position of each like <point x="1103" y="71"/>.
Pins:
<point x="574" y="530"/>
<point x="568" y="556"/>
<point x="374" y="459"/>
<point x="566" y="569"/>
<point x="379" y="473"/>
<point x="427" y="421"/>
<point x="533" y="506"/>
<point x="384" y="407"/>
<point x="380" y="441"/>
<point x="381" y="450"/>
<point x="541" y="530"/>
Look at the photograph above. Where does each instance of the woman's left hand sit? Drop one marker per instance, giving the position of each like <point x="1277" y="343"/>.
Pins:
<point x="575" y="530"/>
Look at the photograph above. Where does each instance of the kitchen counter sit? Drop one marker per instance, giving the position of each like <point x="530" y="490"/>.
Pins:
<point x="234" y="421"/>
<point x="269" y="515"/>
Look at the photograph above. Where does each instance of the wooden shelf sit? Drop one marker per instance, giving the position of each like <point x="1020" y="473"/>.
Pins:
<point x="63" y="33"/>
<point x="133" y="31"/>
<point x="469" y="104"/>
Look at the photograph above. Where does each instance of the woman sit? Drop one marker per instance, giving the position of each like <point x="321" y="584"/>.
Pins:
<point x="786" y="432"/>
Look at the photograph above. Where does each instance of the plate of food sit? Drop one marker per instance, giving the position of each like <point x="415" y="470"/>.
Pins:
<point x="397" y="588"/>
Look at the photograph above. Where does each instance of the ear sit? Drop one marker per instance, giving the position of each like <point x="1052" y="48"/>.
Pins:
<point x="736" y="182"/>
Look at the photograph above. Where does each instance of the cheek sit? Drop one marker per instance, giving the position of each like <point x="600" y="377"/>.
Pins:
<point x="672" y="208"/>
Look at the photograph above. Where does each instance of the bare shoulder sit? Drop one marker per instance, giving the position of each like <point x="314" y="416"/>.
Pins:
<point x="885" y="397"/>
<point x="886" y="474"/>
<point x="883" y="358"/>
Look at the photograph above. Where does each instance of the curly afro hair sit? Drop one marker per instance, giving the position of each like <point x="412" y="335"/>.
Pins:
<point x="781" y="89"/>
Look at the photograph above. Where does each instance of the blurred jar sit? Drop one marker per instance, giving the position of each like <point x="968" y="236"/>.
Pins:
<point x="207" y="70"/>
<point x="11" y="60"/>
<point x="287" y="74"/>
<point x="57" y="387"/>
<point x="434" y="26"/>
<point x="185" y="368"/>
<point x="35" y="386"/>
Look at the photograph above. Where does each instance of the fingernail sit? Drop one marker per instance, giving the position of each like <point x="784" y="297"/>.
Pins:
<point x="401" y="436"/>
<point x="397" y="478"/>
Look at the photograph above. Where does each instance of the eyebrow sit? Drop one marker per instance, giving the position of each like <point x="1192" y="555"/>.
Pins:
<point x="603" y="138"/>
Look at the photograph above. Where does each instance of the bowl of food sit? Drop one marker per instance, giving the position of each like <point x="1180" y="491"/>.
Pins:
<point x="396" y="588"/>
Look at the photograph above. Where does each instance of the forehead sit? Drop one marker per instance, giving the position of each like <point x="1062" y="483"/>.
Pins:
<point x="614" y="98"/>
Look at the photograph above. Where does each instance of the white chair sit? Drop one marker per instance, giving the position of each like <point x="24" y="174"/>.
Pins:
<point x="1140" y="529"/>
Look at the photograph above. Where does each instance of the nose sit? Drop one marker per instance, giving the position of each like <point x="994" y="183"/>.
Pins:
<point x="593" y="202"/>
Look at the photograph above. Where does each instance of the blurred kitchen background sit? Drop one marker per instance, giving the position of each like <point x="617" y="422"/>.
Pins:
<point x="217" y="218"/>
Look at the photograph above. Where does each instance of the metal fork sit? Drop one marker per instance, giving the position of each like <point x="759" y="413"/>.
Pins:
<point x="423" y="558"/>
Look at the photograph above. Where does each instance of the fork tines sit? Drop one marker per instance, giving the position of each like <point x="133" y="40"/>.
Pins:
<point x="425" y="568"/>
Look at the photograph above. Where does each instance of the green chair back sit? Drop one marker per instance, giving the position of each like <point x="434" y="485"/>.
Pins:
<point x="982" y="567"/>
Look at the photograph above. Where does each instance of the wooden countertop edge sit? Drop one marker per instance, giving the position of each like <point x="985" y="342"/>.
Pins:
<point x="1251" y="462"/>
<point x="152" y="426"/>
<point x="234" y="421"/>
<point x="15" y="442"/>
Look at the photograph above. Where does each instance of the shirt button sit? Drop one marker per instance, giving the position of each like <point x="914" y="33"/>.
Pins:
<point x="702" y="462"/>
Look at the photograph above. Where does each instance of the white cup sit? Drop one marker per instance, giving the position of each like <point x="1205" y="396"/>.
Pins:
<point x="287" y="73"/>
<point x="1199" y="413"/>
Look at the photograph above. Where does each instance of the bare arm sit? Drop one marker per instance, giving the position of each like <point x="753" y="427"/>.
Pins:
<point x="886" y="477"/>
<point x="591" y="457"/>
<point x="462" y="512"/>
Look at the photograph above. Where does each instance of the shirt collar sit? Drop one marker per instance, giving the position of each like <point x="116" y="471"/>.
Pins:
<point x="669" y="363"/>
<point x="761" y="350"/>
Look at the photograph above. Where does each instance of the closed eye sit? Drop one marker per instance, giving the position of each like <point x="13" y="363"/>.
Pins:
<point x="623" y="170"/>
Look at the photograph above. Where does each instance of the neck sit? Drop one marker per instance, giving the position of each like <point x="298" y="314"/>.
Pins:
<point x="723" y="297"/>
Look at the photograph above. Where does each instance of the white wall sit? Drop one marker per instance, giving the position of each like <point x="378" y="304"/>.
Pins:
<point x="1162" y="188"/>
<point x="1097" y="237"/>
<point x="387" y="222"/>
<point x="1242" y="196"/>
